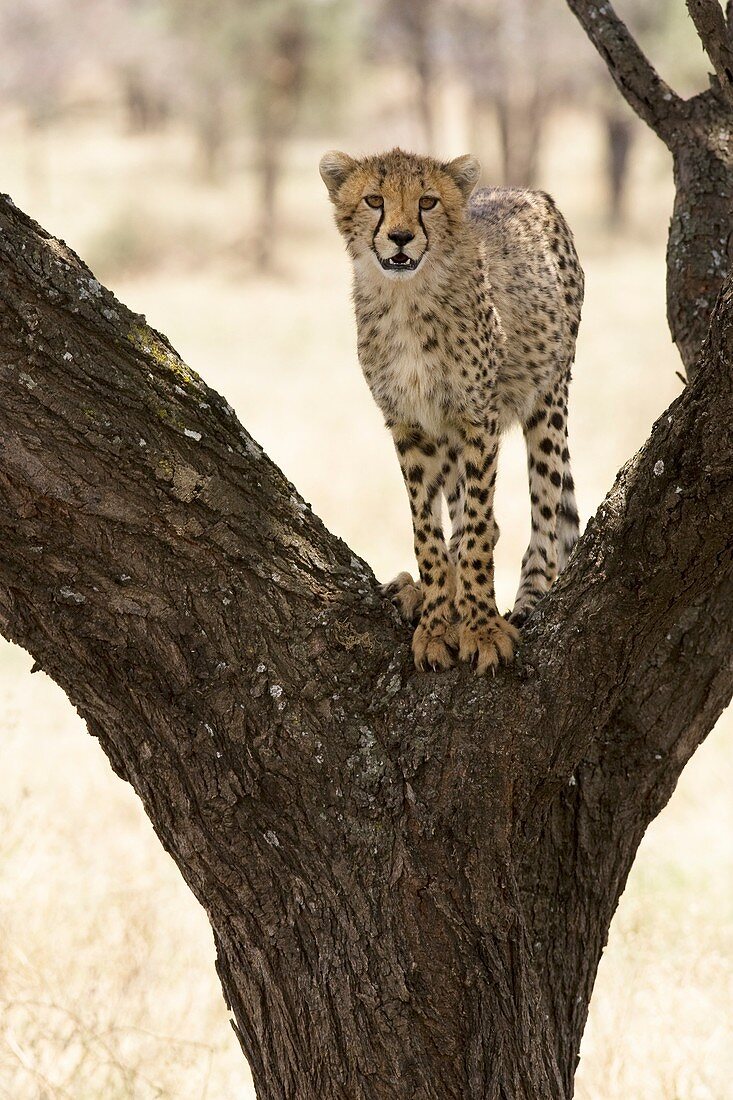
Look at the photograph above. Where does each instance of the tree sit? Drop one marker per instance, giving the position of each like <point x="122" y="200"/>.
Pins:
<point x="508" y="48"/>
<point x="409" y="877"/>
<point x="697" y="133"/>
<point x="42" y="43"/>
<point x="521" y="62"/>
<point x="252" y="66"/>
<point x="405" y="29"/>
<point x="654" y="23"/>
<point x="277" y="96"/>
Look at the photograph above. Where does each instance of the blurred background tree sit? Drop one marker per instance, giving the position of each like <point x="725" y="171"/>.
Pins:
<point x="405" y="34"/>
<point x="246" y="74"/>
<point x="251" y="67"/>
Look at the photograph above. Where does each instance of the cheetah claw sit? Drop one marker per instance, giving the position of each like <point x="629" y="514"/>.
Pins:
<point x="435" y="644"/>
<point x="487" y="646"/>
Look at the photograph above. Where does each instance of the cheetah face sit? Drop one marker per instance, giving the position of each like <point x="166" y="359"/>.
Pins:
<point x="399" y="231"/>
<point x="398" y="209"/>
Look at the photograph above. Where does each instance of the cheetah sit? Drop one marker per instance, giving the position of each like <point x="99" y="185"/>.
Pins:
<point x="467" y="307"/>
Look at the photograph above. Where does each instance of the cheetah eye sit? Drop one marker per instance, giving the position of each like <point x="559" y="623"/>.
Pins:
<point x="427" y="202"/>
<point x="375" y="201"/>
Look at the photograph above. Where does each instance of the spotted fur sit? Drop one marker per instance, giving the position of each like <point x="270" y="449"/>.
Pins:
<point x="467" y="309"/>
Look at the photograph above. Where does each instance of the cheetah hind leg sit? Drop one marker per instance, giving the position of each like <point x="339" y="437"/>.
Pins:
<point x="554" y="517"/>
<point x="406" y="594"/>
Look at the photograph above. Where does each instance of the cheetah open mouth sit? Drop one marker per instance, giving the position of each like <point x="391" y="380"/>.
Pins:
<point x="399" y="262"/>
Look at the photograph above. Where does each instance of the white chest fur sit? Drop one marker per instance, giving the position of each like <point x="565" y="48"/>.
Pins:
<point x="414" y="382"/>
<point x="406" y="369"/>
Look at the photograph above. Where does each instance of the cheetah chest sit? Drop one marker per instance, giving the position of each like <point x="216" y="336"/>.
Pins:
<point x="411" y="378"/>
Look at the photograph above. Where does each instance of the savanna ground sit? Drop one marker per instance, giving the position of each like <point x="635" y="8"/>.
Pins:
<point x="107" y="984"/>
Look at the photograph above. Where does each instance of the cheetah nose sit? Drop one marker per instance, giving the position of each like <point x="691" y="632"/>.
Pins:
<point x="401" y="236"/>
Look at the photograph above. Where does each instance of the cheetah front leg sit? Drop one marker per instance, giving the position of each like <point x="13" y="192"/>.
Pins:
<point x="435" y="640"/>
<point x="405" y="592"/>
<point x="485" y="637"/>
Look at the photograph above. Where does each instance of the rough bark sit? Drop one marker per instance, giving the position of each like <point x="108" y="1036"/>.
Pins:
<point x="699" y="245"/>
<point x="409" y="877"/>
<point x="710" y="22"/>
<point x="698" y="133"/>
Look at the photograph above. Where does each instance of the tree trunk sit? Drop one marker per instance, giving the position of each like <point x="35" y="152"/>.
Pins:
<point x="619" y="132"/>
<point x="699" y="247"/>
<point x="420" y="25"/>
<point x="269" y="157"/>
<point x="276" y="102"/>
<point x="211" y="127"/>
<point x="410" y="877"/>
<point x="522" y="99"/>
<point x="521" y="123"/>
<point x="414" y="23"/>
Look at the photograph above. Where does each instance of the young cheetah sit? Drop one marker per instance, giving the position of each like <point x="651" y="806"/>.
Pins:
<point x="467" y="309"/>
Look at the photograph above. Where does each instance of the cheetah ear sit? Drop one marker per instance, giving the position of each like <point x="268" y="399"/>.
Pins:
<point x="465" y="171"/>
<point x="334" y="168"/>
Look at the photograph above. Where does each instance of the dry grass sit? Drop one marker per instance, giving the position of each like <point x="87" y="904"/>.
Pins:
<point x="107" y="987"/>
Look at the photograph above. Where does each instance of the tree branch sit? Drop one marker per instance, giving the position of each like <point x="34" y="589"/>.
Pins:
<point x="697" y="133"/>
<point x="650" y="97"/>
<point x="710" y="22"/>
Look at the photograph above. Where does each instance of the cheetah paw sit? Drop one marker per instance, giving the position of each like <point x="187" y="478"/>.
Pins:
<point x="519" y="616"/>
<point x="435" y="644"/>
<point x="406" y="595"/>
<point x="486" y="646"/>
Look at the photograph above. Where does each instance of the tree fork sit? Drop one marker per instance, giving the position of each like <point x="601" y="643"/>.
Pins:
<point x="397" y="867"/>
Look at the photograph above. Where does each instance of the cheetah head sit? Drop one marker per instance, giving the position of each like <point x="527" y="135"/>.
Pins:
<point x="396" y="208"/>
